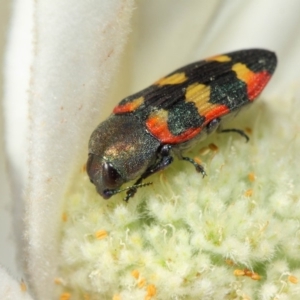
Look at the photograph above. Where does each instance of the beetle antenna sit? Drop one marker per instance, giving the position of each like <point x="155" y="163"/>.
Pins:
<point x="131" y="190"/>
<point x="135" y="186"/>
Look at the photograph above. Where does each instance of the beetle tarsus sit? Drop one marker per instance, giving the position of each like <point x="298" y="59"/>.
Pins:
<point x="199" y="168"/>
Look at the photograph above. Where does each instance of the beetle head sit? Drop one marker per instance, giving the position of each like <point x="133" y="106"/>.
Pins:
<point x="120" y="150"/>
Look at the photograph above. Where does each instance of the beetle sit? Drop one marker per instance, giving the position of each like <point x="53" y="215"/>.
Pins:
<point x="148" y="128"/>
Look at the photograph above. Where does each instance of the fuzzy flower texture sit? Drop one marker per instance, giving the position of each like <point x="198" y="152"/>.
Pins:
<point x="233" y="235"/>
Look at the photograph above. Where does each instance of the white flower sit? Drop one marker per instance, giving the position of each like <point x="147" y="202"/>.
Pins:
<point x="233" y="235"/>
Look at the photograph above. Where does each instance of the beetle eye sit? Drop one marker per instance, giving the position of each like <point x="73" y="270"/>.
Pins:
<point x="107" y="193"/>
<point x="111" y="177"/>
<point x="92" y="167"/>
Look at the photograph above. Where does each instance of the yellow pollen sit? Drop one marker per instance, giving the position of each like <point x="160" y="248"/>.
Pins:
<point x="249" y="193"/>
<point x="65" y="296"/>
<point x="141" y="282"/>
<point x="135" y="274"/>
<point x="255" y="276"/>
<point x="64" y="217"/>
<point x="23" y="286"/>
<point x="239" y="272"/>
<point x="151" y="291"/>
<point x="101" y="234"/>
<point x="293" y="279"/>
<point x="213" y="147"/>
<point x="251" y="177"/>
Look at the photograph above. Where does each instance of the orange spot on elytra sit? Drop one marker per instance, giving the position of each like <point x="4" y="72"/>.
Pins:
<point x="129" y="107"/>
<point x="172" y="79"/>
<point x="199" y="94"/>
<point x="215" y="112"/>
<point x="219" y="58"/>
<point x="255" y="81"/>
<point x="158" y="126"/>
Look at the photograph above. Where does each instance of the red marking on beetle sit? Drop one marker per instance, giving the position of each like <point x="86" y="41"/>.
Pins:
<point x="159" y="128"/>
<point x="215" y="112"/>
<point x="256" y="84"/>
<point x="129" y="106"/>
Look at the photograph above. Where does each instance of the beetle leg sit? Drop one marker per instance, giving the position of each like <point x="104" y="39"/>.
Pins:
<point x="164" y="160"/>
<point x="239" y="131"/>
<point x="199" y="168"/>
<point x="213" y="125"/>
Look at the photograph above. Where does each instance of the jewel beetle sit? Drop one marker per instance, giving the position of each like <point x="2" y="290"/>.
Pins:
<point x="148" y="128"/>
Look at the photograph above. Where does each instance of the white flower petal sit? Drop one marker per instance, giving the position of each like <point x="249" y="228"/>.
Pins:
<point x="165" y="37"/>
<point x="10" y="289"/>
<point x="77" y="48"/>
<point x="18" y="58"/>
